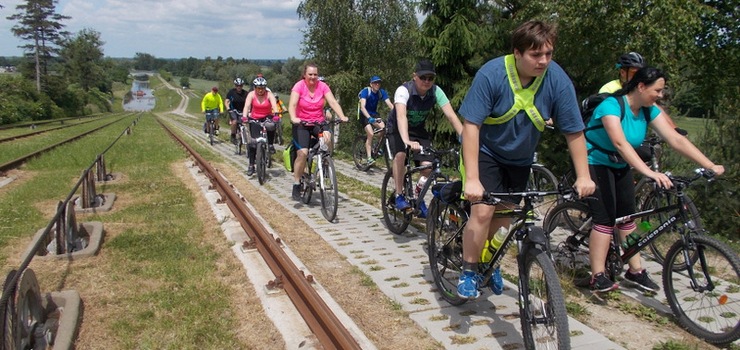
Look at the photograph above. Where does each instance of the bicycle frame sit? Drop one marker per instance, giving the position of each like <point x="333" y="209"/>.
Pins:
<point x="520" y="231"/>
<point x="435" y="175"/>
<point x="682" y="216"/>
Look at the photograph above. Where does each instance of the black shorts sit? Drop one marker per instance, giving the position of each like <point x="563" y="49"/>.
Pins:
<point x="614" y="196"/>
<point x="363" y="119"/>
<point x="397" y="146"/>
<point x="302" y="135"/>
<point x="500" y="178"/>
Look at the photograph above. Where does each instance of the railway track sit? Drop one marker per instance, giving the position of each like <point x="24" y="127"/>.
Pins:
<point x="14" y="163"/>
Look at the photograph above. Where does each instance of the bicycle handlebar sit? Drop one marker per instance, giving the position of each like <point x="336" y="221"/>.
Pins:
<point x="493" y="197"/>
<point x="321" y="123"/>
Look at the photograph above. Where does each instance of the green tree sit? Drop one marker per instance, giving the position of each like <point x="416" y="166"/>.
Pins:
<point x="82" y="61"/>
<point x="359" y="38"/>
<point x="42" y="28"/>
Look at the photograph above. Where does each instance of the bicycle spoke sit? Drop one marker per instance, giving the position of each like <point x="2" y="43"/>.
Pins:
<point x="705" y="296"/>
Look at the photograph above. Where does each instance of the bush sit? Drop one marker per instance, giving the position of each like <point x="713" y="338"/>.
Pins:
<point x="718" y="202"/>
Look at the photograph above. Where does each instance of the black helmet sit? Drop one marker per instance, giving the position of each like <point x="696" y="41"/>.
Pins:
<point x="629" y="60"/>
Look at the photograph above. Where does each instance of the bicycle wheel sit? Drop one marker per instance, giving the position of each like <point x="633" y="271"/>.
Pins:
<point x="329" y="189"/>
<point x="359" y="153"/>
<point x="307" y="185"/>
<point x="444" y="237"/>
<point x="243" y="138"/>
<point x="708" y="307"/>
<point x="542" y="179"/>
<point x="660" y="245"/>
<point x="542" y="312"/>
<point x="396" y="220"/>
<point x="568" y="227"/>
<point x="261" y="158"/>
<point x="211" y="132"/>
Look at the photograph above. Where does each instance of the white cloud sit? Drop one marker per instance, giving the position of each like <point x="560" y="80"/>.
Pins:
<point x="179" y="29"/>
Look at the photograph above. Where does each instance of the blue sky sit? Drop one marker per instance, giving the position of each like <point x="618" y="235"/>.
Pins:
<point x="252" y="29"/>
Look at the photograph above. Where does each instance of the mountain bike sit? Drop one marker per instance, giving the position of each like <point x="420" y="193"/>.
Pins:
<point x="263" y="158"/>
<point x="320" y="173"/>
<point x="541" y="304"/>
<point x="211" y="116"/>
<point x="398" y="220"/>
<point x="379" y="148"/>
<point x="701" y="275"/>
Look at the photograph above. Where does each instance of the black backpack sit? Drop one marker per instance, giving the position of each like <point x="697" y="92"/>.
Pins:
<point x="589" y="104"/>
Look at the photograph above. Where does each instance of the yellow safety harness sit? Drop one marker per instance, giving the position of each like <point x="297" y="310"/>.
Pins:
<point x="523" y="98"/>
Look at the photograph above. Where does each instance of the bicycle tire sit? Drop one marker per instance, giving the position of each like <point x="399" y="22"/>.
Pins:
<point x="261" y="157"/>
<point x="543" y="315"/>
<point x="567" y="227"/>
<point x="244" y="138"/>
<point x="395" y="220"/>
<point x="542" y="179"/>
<point x="660" y="245"/>
<point x="444" y="248"/>
<point x="211" y="133"/>
<point x="329" y="189"/>
<point x="359" y="153"/>
<point x="307" y="187"/>
<point x="714" y="314"/>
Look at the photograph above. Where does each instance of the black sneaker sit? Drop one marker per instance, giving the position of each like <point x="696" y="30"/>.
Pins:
<point x="233" y="139"/>
<point x="601" y="283"/>
<point x="271" y="148"/>
<point x="297" y="192"/>
<point x="250" y="171"/>
<point x="642" y="280"/>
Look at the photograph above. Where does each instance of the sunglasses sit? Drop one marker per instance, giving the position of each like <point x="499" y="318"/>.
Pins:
<point x="427" y="78"/>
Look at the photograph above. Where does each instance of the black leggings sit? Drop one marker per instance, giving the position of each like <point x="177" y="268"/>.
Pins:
<point x="614" y="196"/>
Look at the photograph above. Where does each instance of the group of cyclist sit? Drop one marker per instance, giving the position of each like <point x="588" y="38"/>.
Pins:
<point x="511" y="100"/>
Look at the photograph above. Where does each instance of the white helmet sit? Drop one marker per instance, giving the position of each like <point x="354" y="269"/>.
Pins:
<point x="239" y="81"/>
<point x="259" y="82"/>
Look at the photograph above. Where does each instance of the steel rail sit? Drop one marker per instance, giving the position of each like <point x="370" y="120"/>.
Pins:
<point x="318" y="316"/>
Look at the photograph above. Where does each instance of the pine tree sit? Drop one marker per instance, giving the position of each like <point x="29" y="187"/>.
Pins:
<point x="42" y="28"/>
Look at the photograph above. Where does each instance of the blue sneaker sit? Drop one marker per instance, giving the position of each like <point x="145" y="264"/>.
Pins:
<point x="467" y="285"/>
<point x="402" y="203"/>
<point x="497" y="283"/>
<point x="422" y="210"/>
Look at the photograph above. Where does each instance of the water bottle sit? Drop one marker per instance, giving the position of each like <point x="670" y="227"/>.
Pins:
<point x="645" y="226"/>
<point x="631" y="240"/>
<point x="420" y="185"/>
<point x="499" y="237"/>
<point x="494" y="244"/>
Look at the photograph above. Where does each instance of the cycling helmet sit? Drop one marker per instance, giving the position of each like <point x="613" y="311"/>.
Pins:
<point x="239" y="81"/>
<point x="629" y="60"/>
<point x="321" y="78"/>
<point x="259" y="82"/>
